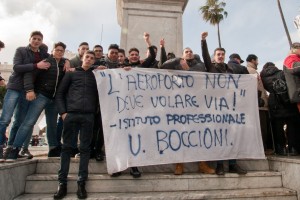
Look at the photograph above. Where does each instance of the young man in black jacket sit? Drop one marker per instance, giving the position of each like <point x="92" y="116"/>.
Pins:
<point x="219" y="66"/>
<point x="77" y="100"/>
<point x="134" y="55"/>
<point x="26" y="59"/>
<point x="40" y="87"/>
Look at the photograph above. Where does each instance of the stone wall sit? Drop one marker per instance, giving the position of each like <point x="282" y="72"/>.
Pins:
<point x="13" y="178"/>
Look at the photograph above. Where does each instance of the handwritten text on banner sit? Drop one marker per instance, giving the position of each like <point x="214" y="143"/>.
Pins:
<point x="155" y="117"/>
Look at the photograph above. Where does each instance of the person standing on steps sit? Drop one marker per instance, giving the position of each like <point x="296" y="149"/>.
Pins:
<point x="77" y="101"/>
<point x="219" y="66"/>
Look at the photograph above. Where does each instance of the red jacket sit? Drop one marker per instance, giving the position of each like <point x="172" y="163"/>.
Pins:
<point x="289" y="61"/>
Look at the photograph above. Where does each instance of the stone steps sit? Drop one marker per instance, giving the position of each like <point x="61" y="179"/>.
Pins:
<point x="240" y="194"/>
<point x="51" y="166"/>
<point x="157" y="182"/>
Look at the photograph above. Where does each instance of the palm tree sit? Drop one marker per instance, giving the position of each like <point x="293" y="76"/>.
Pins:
<point x="214" y="12"/>
<point x="284" y="24"/>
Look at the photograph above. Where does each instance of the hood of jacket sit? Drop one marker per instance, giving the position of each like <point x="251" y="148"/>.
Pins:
<point x="269" y="71"/>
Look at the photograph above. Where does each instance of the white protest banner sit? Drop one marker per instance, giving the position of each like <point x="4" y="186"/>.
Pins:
<point x="153" y="116"/>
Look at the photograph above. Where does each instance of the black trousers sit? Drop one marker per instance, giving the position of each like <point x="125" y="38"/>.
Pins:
<point x="290" y="136"/>
<point x="71" y="123"/>
<point x="98" y="138"/>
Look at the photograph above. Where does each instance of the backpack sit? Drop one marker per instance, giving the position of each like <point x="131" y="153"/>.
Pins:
<point x="281" y="90"/>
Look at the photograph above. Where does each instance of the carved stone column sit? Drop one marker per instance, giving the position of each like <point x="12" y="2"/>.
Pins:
<point x="160" y="18"/>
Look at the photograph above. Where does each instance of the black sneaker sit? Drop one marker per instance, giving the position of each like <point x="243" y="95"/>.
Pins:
<point x="81" y="192"/>
<point x="54" y="152"/>
<point x="220" y="169"/>
<point x="292" y="152"/>
<point x="1" y="153"/>
<point x="13" y="155"/>
<point x="74" y="152"/>
<point x="6" y="152"/>
<point x="116" y="174"/>
<point x="281" y="150"/>
<point x="99" y="156"/>
<point x="134" y="171"/>
<point x="61" y="191"/>
<point x="235" y="168"/>
<point x="26" y="154"/>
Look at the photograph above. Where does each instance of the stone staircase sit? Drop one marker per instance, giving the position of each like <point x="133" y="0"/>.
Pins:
<point x="158" y="182"/>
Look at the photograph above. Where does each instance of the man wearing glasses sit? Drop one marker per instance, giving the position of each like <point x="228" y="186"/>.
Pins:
<point x="41" y="86"/>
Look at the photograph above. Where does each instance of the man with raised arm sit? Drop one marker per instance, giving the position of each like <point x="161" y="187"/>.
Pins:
<point x="189" y="63"/>
<point x="219" y="66"/>
<point x="134" y="55"/>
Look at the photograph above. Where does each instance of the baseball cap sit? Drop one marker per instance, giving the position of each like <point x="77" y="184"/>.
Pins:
<point x="235" y="55"/>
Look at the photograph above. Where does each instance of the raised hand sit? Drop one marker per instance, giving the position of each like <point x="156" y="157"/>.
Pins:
<point x="162" y="42"/>
<point x="204" y="35"/>
<point x="147" y="38"/>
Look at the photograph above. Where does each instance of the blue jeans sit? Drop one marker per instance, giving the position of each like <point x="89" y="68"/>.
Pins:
<point x="70" y="131"/>
<point x="34" y="110"/>
<point x="19" y="115"/>
<point x="14" y="101"/>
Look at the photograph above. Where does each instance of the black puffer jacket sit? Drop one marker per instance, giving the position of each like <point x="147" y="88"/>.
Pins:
<point x="276" y="107"/>
<point x="213" y="67"/>
<point x="23" y="62"/>
<point x="147" y="63"/>
<point x="45" y="82"/>
<point x="175" y="64"/>
<point x="77" y="92"/>
<point x="237" y="68"/>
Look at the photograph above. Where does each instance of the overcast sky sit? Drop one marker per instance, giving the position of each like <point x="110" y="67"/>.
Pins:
<point x="251" y="26"/>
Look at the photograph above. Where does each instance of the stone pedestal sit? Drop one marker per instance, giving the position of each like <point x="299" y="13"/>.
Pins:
<point x="160" y="18"/>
